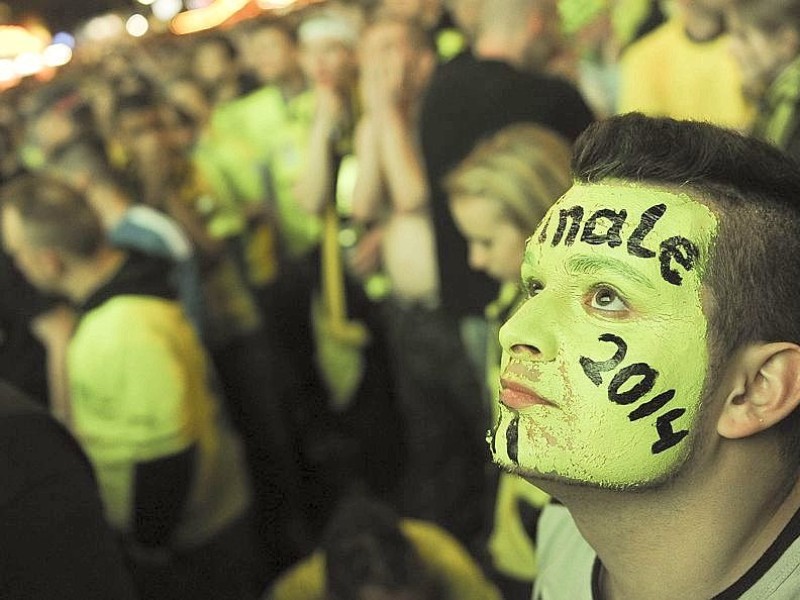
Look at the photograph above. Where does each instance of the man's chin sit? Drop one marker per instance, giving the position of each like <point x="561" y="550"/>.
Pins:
<point x="552" y="482"/>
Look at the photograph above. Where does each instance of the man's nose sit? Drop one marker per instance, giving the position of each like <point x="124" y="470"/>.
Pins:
<point x="530" y="333"/>
<point x="525" y="351"/>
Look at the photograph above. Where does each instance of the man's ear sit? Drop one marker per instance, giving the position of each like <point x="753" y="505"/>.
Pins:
<point x="766" y="389"/>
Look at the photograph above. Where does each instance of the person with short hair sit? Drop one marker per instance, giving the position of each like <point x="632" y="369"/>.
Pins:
<point x="139" y="398"/>
<point x="651" y="377"/>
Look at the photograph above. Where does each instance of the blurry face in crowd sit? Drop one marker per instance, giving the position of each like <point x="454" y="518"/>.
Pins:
<point x="138" y="129"/>
<point x="426" y="11"/>
<point x="496" y="245"/>
<point x="388" y="46"/>
<point x="44" y="134"/>
<point x="546" y="39"/>
<point x="761" y="55"/>
<point x="212" y="63"/>
<point x="604" y="364"/>
<point x="35" y="263"/>
<point x="189" y="96"/>
<point x="387" y="40"/>
<point x="150" y="141"/>
<point x="271" y="54"/>
<point x="327" y="62"/>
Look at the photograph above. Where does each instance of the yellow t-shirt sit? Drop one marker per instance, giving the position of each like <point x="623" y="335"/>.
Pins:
<point x="255" y="150"/>
<point x="139" y="391"/>
<point x="667" y="74"/>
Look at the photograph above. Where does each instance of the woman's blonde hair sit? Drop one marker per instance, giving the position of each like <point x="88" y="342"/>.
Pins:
<point x="525" y="167"/>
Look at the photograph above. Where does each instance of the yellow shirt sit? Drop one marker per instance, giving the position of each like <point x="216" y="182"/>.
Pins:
<point x="139" y="391"/>
<point x="667" y="74"/>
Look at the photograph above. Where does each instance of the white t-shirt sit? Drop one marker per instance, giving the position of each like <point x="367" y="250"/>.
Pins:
<point x="568" y="567"/>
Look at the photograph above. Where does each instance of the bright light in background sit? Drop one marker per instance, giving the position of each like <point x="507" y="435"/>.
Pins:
<point x="137" y="25"/>
<point x="195" y="4"/>
<point x="28" y="63"/>
<point x="210" y="16"/>
<point x="164" y="10"/>
<point x="57" y="55"/>
<point x="7" y="70"/>
<point x="146" y="2"/>
<point x="104" y="28"/>
<point x="275" y="3"/>
<point x="62" y="37"/>
<point x="17" y="40"/>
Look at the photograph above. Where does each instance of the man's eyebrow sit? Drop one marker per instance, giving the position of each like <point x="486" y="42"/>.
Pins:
<point x="594" y="265"/>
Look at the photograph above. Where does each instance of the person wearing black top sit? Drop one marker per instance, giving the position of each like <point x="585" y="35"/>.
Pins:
<point x="54" y="543"/>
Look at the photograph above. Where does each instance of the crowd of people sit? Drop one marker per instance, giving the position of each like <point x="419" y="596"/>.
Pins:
<point x="259" y="274"/>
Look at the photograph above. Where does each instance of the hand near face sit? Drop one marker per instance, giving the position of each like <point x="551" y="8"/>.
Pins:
<point x="384" y="81"/>
<point x="331" y="112"/>
<point x="365" y="258"/>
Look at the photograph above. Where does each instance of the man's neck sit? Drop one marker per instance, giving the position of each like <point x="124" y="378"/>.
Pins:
<point x="90" y="275"/>
<point x="703" y="25"/>
<point x="506" y="50"/>
<point x="693" y="538"/>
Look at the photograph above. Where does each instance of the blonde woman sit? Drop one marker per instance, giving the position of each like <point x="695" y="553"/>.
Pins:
<point x="498" y="195"/>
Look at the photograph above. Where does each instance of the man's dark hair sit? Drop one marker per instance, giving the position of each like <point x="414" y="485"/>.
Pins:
<point x="364" y="545"/>
<point x="54" y="215"/>
<point x="754" y="268"/>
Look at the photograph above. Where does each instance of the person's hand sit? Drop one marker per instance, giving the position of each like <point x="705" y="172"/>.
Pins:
<point x="365" y="258"/>
<point x="330" y="112"/>
<point x="55" y="326"/>
<point x="384" y="81"/>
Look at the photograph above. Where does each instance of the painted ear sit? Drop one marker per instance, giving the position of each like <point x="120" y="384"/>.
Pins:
<point x="767" y="390"/>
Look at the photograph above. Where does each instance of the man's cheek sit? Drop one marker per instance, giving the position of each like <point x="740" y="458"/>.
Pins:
<point x="634" y="389"/>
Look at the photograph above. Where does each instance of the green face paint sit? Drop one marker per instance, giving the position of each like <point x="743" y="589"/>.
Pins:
<point x="604" y="364"/>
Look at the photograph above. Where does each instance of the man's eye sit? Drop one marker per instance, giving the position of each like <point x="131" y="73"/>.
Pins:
<point x="530" y="287"/>
<point x="607" y="299"/>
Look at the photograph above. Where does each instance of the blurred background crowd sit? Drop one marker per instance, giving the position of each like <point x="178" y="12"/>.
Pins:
<point x="341" y="192"/>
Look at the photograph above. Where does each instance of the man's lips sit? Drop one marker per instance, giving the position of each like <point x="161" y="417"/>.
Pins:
<point x="517" y="395"/>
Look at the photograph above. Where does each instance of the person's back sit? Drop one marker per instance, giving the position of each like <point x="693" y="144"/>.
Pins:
<point x="139" y="397"/>
<point x="55" y="542"/>
<point x="475" y="95"/>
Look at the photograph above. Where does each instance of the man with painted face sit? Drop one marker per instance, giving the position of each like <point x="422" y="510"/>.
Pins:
<point x="651" y="379"/>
